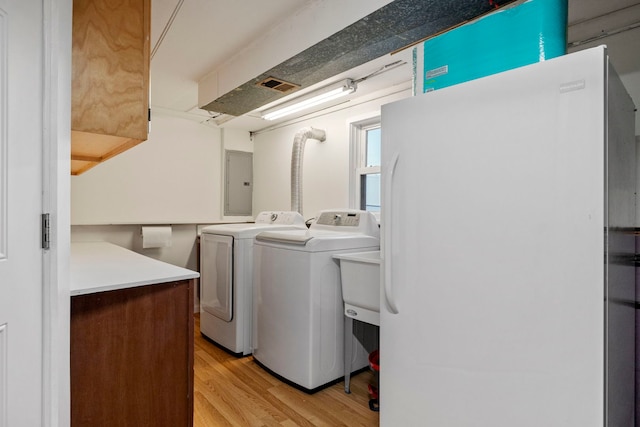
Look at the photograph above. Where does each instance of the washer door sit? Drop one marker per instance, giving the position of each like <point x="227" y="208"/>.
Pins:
<point x="216" y="275"/>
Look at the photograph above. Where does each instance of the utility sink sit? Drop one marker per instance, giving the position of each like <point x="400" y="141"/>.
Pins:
<point x="360" y="274"/>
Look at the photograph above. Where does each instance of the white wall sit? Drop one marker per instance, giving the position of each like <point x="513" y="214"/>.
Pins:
<point x="173" y="177"/>
<point x="325" y="181"/>
<point x="183" y="251"/>
<point x="236" y="139"/>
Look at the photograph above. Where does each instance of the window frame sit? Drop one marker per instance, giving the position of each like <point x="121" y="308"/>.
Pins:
<point x="358" y="157"/>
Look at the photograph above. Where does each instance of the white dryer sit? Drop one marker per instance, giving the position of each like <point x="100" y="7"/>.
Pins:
<point x="226" y="278"/>
<point x="299" y="307"/>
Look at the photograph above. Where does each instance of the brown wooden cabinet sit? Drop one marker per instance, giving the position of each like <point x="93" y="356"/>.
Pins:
<point x="110" y="79"/>
<point x="132" y="357"/>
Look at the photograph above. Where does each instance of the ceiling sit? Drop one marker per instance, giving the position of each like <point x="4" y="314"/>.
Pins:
<point x="196" y="43"/>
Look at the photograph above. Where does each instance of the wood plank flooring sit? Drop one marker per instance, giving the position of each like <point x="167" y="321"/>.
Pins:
<point x="230" y="391"/>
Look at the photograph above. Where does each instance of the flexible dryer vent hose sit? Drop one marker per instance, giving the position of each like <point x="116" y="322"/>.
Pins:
<point x="296" y="163"/>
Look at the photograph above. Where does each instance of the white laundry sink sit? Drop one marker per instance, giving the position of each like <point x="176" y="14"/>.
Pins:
<point x="360" y="274"/>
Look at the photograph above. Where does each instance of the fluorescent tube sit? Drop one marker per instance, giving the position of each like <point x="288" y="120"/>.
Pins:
<point x="320" y="96"/>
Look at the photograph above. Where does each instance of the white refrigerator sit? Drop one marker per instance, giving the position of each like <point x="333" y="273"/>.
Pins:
<point x="508" y="287"/>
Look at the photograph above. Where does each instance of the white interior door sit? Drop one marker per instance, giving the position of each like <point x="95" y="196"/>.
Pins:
<point x="21" y="135"/>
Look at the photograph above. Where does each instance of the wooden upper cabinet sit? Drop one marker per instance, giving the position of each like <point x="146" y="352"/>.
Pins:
<point x="110" y="86"/>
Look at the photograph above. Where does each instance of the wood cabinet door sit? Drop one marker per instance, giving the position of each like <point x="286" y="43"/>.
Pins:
<point x="132" y="357"/>
<point x="110" y="79"/>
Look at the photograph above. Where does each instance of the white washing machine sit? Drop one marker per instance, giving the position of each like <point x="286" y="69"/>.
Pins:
<point x="299" y="308"/>
<point x="226" y="278"/>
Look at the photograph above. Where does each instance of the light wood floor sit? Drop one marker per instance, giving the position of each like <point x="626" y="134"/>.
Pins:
<point x="232" y="391"/>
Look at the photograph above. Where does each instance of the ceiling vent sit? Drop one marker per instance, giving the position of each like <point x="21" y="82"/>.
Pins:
<point x="278" y="85"/>
<point x="395" y="26"/>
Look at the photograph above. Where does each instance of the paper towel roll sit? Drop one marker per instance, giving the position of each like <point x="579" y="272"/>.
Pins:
<point x="156" y="237"/>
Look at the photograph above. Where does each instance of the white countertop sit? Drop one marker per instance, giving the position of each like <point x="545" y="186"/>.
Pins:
<point x="103" y="266"/>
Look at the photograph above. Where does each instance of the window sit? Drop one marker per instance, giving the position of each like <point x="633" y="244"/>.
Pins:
<point x="365" y="165"/>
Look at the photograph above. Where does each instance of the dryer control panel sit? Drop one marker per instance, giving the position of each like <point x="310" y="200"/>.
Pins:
<point x="280" y="218"/>
<point x="348" y="221"/>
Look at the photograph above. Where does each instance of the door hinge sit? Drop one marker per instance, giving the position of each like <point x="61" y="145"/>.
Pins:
<point x="46" y="230"/>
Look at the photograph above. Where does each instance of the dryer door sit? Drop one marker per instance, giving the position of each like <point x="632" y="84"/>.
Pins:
<point x="216" y="265"/>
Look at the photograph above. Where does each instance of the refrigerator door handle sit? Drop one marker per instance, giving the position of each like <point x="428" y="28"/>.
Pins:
<point x="387" y="210"/>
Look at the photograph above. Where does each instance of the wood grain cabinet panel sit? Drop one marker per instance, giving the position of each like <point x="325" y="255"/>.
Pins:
<point x="132" y="357"/>
<point x="110" y="79"/>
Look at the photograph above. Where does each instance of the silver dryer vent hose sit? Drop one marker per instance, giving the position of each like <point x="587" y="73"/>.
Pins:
<point x="296" y="163"/>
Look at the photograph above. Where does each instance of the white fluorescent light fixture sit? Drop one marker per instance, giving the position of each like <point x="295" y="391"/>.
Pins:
<point x="326" y="94"/>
